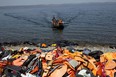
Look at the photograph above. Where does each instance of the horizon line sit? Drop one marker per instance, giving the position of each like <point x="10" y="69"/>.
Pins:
<point x="53" y="4"/>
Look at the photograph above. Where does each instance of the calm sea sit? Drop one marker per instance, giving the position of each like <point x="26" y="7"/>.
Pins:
<point x="94" y="22"/>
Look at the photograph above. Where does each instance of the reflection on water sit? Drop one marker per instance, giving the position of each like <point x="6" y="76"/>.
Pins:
<point x="58" y="34"/>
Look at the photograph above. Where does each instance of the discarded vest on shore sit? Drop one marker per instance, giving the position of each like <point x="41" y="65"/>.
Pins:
<point x="58" y="62"/>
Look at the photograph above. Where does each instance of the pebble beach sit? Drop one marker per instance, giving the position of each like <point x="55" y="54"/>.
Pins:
<point x="76" y="47"/>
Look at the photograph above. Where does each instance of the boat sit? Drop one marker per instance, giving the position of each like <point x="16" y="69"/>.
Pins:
<point x="57" y="23"/>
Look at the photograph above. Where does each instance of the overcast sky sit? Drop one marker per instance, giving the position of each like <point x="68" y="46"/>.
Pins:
<point x="37" y="2"/>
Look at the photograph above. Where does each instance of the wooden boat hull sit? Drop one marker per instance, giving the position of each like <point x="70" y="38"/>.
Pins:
<point x="60" y="26"/>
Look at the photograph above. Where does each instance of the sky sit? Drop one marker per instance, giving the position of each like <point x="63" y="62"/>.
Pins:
<point x="39" y="2"/>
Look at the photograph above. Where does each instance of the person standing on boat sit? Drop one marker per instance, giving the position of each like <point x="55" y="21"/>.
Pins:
<point x="60" y="22"/>
<point x="54" y="21"/>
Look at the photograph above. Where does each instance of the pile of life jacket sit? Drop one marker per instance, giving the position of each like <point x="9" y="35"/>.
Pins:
<point x="59" y="62"/>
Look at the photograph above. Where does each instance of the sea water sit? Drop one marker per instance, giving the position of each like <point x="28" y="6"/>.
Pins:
<point x="89" y="22"/>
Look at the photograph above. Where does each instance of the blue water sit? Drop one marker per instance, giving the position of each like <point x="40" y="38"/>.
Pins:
<point x="94" y="22"/>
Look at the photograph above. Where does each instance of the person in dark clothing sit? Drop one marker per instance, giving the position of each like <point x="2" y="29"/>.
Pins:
<point x="54" y="21"/>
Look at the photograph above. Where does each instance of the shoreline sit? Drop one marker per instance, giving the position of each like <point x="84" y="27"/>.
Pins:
<point x="62" y="43"/>
<point x="92" y="48"/>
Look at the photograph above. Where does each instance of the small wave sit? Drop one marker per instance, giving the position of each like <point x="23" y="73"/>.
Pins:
<point x="22" y="18"/>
